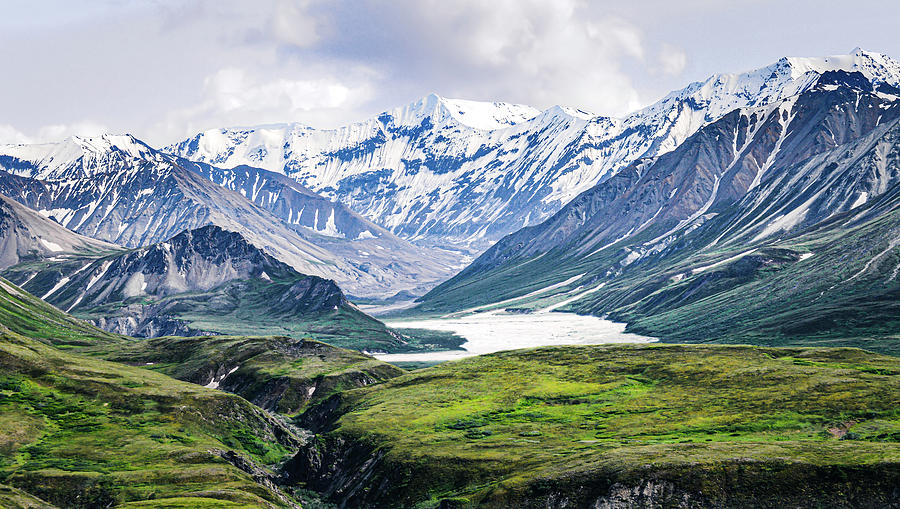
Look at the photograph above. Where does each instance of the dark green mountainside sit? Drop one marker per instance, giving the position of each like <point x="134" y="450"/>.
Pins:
<point x="203" y="281"/>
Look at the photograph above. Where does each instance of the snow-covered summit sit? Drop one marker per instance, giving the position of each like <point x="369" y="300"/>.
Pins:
<point x="485" y="116"/>
<point x="724" y="92"/>
<point x="684" y="111"/>
<point x="77" y="156"/>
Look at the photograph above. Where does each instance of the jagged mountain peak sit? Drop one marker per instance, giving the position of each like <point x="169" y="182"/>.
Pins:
<point x="875" y="66"/>
<point x="78" y="155"/>
<point x="214" y="242"/>
<point x="481" y="115"/>
<point x="559" y="113"/>
<point x="723" y="92"/>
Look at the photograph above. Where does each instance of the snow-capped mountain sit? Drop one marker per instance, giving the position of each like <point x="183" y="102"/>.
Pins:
<point x="77" y="156"/>
<point x="25" y="234"/>
<point x="758" y="150"/>
<point x="449" y="171"/>
<point x="118" y="189"/>
<point x="436" y="169"/>
<point x="788" y="208"/>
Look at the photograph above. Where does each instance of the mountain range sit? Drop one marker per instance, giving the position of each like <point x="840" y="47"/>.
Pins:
<point x="461" y="173"/>
<point x="780" y="217"/>
<point x="118" y="189"/>
<point x="729" y="171"/>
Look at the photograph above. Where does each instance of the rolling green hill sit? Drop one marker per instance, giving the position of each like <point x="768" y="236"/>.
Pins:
<point x="617" y="426"/>
<point x="80" y="432"/>
<point x="277" y="373"/>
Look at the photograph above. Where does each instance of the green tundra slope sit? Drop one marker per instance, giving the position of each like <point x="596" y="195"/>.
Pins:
<point x="274" y="372"/>
<point x="617" y="426"/>
<point x="277" y="373"/>
<point x="77" y="430"/>
<point x="28" y="315"/>
<point x="81" y="432"/>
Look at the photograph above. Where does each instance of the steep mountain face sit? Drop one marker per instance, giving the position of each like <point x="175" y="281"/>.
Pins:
<point x="715" y="168"/>
<point x="730" y="206"/>
<point x="437" y="172"/>
<point x="332" y="225"/>
<point x="291" y="202"/>
<point x="26" y="235"/>
<point x="118" y="189"/>
<point x="192" y="284"/>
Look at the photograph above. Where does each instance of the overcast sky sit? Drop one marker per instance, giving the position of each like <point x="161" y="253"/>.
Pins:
<point x="166" y="69"/>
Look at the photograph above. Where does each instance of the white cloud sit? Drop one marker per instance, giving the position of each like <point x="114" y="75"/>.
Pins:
<point x="48" y="133"/>
<point x="234" y="89"/>
<point x="160" y="68"/>
<point x="292" y="23"/>
<point x="166" y="70"/>
<point x="672" y="59"/>
<point x="538" y="52"/>
<point x="11" y="135"/>
<point x="236" y="96"/>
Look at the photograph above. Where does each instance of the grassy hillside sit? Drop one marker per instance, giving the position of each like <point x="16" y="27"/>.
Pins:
<point x="711" y="426"/>
<point x="80" y="432"/>
<point x="276" y="372"/>
<point x="77" y="431"/>
<point x="26" y="314"/>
